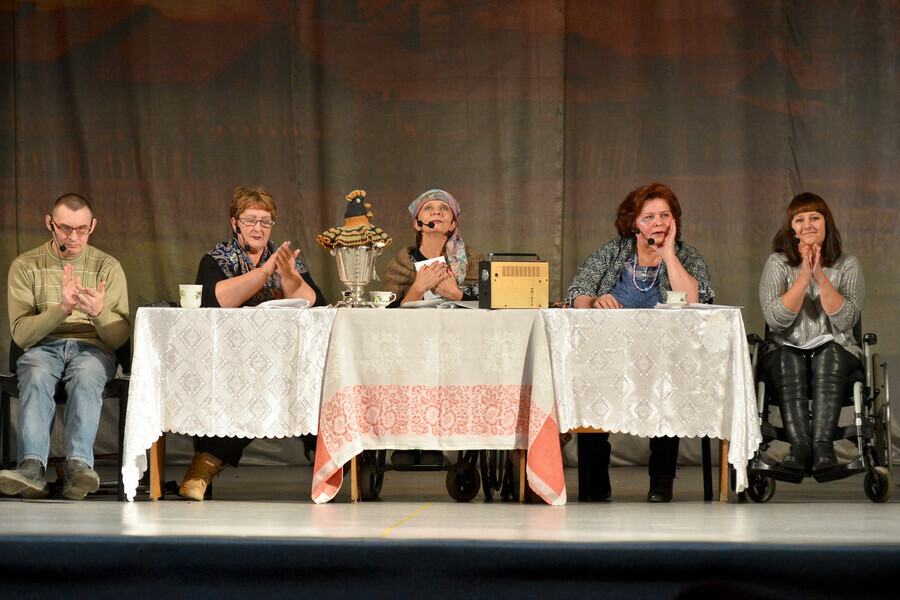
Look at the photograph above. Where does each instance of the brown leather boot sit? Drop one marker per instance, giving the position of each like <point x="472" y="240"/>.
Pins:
<point x="203" y="469"/>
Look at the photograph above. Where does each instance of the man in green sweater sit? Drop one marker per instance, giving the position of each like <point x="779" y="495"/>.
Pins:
<point x="68" y="309"/>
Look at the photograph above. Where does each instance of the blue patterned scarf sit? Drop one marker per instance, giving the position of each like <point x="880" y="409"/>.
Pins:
<point x="234" y="262"/>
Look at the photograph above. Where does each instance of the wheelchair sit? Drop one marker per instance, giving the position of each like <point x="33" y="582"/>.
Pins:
<point x="867" y="391"/>
<point x="463" y="477"/>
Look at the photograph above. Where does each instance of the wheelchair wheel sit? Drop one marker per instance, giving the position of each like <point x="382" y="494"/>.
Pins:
<point x="760" y="488"/>
<point x="463" y="481"/>
<point x="879" y="485"/>
<point x="492" y="464"/>
<point x="371" y="478"/>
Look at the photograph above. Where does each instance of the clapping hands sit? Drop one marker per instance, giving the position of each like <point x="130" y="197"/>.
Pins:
<point x="285" y="261"/>
<point x="88" y="300"/>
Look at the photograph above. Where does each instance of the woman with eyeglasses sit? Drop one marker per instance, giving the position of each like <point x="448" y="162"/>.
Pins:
<point x="249" y="268"/>
<point x="246" y="270"/>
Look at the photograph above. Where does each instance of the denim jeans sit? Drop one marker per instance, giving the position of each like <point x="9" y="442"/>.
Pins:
<point x="85" y="370"/>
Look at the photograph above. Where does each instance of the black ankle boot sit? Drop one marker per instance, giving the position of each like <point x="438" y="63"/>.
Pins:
<point x="660" y="489"/>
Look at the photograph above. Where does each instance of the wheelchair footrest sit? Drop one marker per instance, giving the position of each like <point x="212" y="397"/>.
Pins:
<point x="841" y="471"/>
<point x="774" y="471"/>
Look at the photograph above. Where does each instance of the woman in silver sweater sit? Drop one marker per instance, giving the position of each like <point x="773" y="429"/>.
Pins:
<point x="811" y="295"/>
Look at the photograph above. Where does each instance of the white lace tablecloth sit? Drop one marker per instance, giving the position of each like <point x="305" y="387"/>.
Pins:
<point x="238" y="372"/>
<point x="682" y="372"/>
<point x="438" y="379"/>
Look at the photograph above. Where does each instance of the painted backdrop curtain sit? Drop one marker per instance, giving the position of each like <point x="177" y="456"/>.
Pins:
<point x="539" y="116"/>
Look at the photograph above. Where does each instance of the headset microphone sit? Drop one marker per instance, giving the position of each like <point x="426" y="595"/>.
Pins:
<point x="62" y="247"/>
<point x="429" y="225"/>
<point x="245" y="246"/>
<point x="650" y="241"/>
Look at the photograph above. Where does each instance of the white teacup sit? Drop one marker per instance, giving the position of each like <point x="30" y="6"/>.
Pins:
<point x="382" y="298"/>
<point x="679" y="298"/>
<point x="190" y="295"/>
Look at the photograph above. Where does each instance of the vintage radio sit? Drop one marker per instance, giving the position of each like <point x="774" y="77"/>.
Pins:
<point x="514" y="284"/>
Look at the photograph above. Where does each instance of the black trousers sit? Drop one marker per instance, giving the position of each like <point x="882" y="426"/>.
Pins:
<point x="593" y="462"/>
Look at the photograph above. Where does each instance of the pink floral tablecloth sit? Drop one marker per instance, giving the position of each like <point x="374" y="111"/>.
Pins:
<point x="438" y="379"/>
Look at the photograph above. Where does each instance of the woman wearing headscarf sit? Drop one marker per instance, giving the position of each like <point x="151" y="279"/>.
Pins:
<point x="436" y="221"/>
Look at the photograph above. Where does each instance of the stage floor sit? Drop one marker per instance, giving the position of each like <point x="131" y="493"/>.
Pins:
<point x="273" y="502"/>
<point x="261" y="536"/>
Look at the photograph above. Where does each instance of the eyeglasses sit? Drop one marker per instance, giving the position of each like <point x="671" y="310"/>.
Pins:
<point x="251" y="222"/>
<point x="67" y="231"/>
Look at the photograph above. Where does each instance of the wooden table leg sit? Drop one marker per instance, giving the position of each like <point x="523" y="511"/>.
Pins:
<point x="158" y="468"/>
<point x="354" y="481"/>
<point x="723" y="471"/>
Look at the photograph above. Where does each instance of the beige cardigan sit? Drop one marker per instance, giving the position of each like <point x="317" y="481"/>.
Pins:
<point x="400" y="273"/>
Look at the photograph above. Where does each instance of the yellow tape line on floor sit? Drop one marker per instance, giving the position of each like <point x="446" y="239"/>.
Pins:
<point x="397" y="524"/>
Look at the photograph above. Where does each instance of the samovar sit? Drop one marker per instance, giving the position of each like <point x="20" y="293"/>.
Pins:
<point x="356" y="268"/>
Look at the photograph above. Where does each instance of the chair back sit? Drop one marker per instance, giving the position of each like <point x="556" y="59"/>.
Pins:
<point x="123" y="357"/>
<point x="15" y="352"/>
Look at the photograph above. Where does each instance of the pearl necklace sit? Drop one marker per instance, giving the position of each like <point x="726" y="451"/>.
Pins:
<point x="634" y="276"/>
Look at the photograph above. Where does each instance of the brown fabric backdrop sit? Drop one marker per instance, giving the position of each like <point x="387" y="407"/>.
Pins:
<point x="539" y="116"/>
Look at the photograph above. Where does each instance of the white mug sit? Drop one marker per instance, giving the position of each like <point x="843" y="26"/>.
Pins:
<point x="190" y="295"/>
<point x="382" y="298"/>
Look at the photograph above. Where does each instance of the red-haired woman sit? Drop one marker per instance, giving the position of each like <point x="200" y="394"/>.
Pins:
<point x="637" y="270"/>
<point x="811" y="295"/>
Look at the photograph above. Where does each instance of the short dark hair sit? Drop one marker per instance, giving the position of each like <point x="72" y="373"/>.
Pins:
<point x="634" y="202"/>
<point x="72" y="201"/>
<point x="785" y="239"/>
